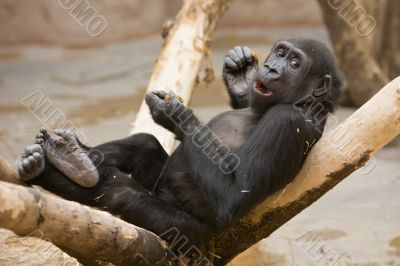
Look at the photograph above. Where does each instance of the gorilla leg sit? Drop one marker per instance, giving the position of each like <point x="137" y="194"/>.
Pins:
<point x="120" y="195"/>
<point x="124" y="197"/>
<point x="117" y="192"/>
<point x="58" y="183"/>
<point x="140" y="155"/>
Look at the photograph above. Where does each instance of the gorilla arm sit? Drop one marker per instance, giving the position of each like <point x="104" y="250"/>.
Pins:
<point x="269" y="159"/>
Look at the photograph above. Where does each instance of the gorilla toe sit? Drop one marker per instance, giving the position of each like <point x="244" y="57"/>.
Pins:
<point x="31" y="163"/>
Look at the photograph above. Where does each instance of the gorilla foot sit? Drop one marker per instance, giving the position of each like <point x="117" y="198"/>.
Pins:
<point x="31" y="163"/>
<point x="64" y="152"/>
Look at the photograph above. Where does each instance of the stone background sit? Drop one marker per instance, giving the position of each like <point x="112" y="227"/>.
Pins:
<point x="47" y="22"/>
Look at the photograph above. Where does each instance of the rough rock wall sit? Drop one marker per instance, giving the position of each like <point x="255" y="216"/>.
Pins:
<point x="51" y="22"/>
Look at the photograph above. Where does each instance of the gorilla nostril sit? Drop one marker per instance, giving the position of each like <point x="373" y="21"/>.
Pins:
<point x="273" y="70"/>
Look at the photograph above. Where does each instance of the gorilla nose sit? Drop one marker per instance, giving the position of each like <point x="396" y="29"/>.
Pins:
<point x="272" y="69"/>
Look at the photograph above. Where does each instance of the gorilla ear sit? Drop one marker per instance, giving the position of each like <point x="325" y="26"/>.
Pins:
<point x="323" y="85"/>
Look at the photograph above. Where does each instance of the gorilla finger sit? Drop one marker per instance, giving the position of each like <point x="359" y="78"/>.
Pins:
<point x="65" y="134"/>
<point x="32" y="161"/>
<point x="26" y="165"/>
<point x="32" y="149"/>
<point x="232" y="54"/>
<point x="239" y="52"/>
<point x="230" y="63"/>
<point x="38" y="158"/>
<point x="247" y="54"/>
<point x="149" y="98"/>
<point x="45" y="133"/>
<point x="162" y="94"/>
<point x="39" y="141"/>
<point x="37" y="148"/>
<point x="59" y="131"/>
<point x="20" y="169"/>
<point x="24" y="154"/>
<point x="152" y="99"/>
<point x="55" y="141"/>
<point x="171" y="95"/>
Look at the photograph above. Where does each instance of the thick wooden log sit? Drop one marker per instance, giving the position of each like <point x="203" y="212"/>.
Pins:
<point x="86" y="234"/>
<point x="32" y="249"/>
<point x="8" y="173"/>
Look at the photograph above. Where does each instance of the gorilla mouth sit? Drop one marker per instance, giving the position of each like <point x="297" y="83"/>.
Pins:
<point x="260" y="88"/>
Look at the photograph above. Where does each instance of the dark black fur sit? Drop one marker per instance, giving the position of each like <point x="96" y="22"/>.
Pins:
<point x="142" y="185"/>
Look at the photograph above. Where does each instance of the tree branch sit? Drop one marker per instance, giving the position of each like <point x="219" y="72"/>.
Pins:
<point x="8" y="173"/>
<point x="86" y="234"/>
<point x="351" y="50"/>
<point x="181" y="58"/>
<point x="31" y="249"/>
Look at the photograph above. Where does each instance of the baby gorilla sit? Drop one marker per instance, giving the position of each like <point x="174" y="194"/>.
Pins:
<point x="220" y="170"/>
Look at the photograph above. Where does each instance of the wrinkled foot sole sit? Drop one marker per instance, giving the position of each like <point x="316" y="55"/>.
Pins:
<point x="64" y="153"/>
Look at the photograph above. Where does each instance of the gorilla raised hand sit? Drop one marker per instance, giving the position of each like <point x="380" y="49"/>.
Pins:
<point x="280" y="109"/>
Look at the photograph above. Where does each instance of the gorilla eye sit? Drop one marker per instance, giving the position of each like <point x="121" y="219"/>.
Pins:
<point x="295" y="63"/>
<point x="280" y="53"/>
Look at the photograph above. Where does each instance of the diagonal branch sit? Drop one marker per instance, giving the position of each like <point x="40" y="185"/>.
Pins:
<point x="181" y="58"/>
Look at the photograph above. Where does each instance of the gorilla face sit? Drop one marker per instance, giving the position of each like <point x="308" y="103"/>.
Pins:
<point x="285" y="77"/>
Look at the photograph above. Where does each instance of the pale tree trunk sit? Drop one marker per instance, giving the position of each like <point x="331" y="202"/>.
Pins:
<point x="353" y="50"/>
<point x="368" y="60"/>
<point x="87" y="234"/>
<point x="182" y="54"/>
<point x="8" y="174"/>
<point x="384" y="41"/>
<point x="389" y="56"/>
<point x="32" y="249"/>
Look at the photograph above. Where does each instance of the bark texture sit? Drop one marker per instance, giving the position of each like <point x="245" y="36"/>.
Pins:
<point x="8" y="173"/>
<point x="368" y="58"/>
<point x="86" y="234"/>
<point x="179" y="64"/>
<point x="32" y="249"/>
